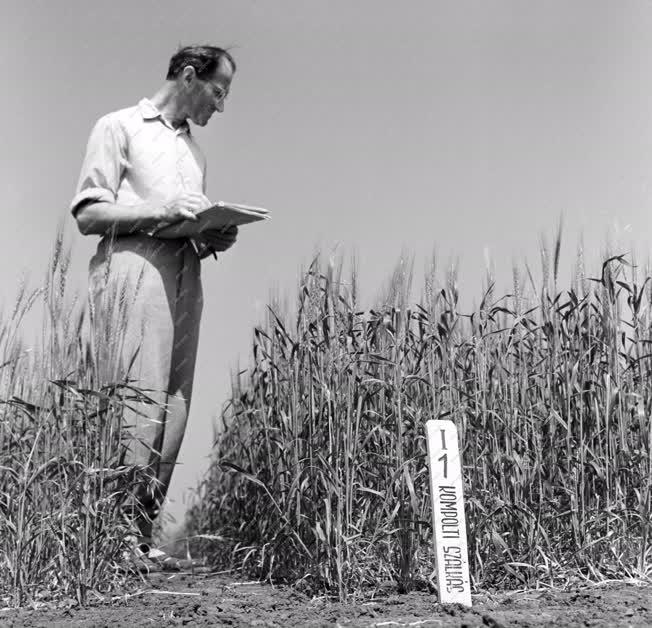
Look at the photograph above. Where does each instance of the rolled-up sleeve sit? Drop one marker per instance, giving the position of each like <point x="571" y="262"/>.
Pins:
<point x="103" y="164"/>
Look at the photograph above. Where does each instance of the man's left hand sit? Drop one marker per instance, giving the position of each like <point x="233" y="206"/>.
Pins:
<point x="219" y="240"/>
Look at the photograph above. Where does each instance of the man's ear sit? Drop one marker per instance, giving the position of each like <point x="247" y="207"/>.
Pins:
<point x="188" y="74"/>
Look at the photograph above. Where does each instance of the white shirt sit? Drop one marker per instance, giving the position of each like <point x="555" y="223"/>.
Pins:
<point x="135" y="156"/>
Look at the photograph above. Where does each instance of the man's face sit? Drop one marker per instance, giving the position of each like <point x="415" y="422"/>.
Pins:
<point x="207" y="95"/>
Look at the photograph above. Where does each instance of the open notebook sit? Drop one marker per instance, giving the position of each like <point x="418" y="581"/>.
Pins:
<point x="219" y="216"/>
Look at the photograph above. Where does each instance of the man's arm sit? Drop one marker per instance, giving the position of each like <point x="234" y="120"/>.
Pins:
<point x="101" y="172"/>
<point x="99" y="217"/>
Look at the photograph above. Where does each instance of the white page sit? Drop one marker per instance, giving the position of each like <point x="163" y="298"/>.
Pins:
<point x="220" y="216"/>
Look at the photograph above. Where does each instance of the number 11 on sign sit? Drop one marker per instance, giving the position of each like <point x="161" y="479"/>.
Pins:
<point x="449" y="524"/>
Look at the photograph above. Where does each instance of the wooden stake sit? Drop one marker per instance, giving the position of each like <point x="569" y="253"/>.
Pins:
<point x="449" y="524"/>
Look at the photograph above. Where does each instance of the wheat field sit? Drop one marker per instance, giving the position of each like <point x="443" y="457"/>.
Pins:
<point x="318" y="475"/>
<point x="63" y="486"/>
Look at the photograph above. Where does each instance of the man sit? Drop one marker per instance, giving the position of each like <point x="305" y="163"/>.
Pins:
<point x="143" y="170"/>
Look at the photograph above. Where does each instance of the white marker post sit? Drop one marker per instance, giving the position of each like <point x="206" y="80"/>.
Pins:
<point x="449" y="524"/>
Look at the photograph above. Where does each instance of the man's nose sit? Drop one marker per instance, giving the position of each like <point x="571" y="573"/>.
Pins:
<point x="220" y="106"/>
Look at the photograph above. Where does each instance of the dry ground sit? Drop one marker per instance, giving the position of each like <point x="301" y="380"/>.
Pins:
<point x="209" y="600"/>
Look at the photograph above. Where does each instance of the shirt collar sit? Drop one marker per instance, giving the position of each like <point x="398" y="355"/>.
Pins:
<point x="149" y="111"/>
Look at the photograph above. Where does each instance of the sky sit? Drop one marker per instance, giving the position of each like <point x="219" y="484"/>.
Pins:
<point x="369" y="127"/>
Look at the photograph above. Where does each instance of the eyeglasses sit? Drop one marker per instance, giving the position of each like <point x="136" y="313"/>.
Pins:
<point x="219" y="92"/>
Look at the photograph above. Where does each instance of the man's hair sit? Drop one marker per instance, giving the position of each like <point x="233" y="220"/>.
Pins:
<point x="204" y="59"/>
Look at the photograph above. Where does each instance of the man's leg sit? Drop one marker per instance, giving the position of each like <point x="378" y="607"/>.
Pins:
<point x="142" y="275"/>
<point x="187" y="316"/>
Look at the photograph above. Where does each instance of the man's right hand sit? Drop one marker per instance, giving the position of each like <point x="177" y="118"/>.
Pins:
<point x="183" y="207"/>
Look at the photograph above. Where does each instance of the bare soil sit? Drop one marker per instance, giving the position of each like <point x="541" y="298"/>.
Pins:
<point x="210" y="600"/>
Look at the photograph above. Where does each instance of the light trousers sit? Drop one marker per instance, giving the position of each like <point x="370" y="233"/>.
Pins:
<point x="148" y="293"/>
